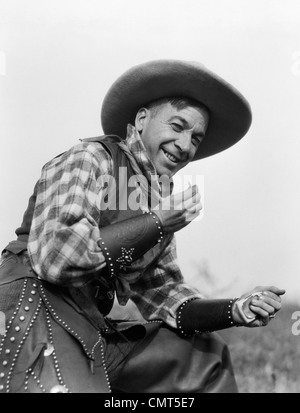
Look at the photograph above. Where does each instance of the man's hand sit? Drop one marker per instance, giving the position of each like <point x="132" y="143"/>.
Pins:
<point x="177" y="211"/>
<point x="263" y="307"/>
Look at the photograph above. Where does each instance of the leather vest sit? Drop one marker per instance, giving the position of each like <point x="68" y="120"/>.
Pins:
<point x="105" y="290"/>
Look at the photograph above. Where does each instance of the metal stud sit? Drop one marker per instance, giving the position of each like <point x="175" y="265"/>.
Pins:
<point x="26" y="308"/>
<point x="30" y="300"/>
<point x="110" y="295"/>
<point x="33" y="292"/>
<point x="22" y="318"/>
<point x="49" y="350"/>
<point x="1" y="388"/>
<point x="17" y="329"/>
<point x="7" y="351"/>
<point x="5" y="363"/>
<point x="2" y="375"/>
<point x="12" y="339"/>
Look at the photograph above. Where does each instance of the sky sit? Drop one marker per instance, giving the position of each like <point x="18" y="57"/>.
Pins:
<point x="57" y="60"/>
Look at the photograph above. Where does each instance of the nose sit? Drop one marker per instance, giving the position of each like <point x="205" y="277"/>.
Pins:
<point x="183" y="143"/>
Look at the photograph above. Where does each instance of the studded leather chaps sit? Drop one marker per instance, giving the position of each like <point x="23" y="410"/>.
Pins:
<point x="50" y="344"/>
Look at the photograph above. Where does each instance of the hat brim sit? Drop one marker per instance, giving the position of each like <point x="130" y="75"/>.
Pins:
<point x="230" y="112"/>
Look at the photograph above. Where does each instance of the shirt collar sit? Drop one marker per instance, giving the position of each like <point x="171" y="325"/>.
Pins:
<point x="135" y="149"/>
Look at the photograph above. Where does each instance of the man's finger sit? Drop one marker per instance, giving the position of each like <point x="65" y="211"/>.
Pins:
<point x="190" y="203"/>
<point x="259" y="311"/>
<point x="269" y="309"/>
<point x="275" y="290"/>
<point x="278" y="291"/>
<point x="191" y="192"/>
<point x="276" y="304"/>
<point x="273" y="296"/>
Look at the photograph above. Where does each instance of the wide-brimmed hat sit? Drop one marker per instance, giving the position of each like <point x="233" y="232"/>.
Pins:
<point x="230" y="113"/>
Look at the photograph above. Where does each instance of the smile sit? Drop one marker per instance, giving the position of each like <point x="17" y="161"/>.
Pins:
<point x="171" y="157"/>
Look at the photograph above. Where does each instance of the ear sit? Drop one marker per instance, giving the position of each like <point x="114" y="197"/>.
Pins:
<point x="141" y="119"/>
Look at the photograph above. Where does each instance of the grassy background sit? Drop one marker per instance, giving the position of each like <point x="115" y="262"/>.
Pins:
<point x="267" y="360"/>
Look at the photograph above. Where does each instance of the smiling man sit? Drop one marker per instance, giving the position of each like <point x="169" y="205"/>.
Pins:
<point x="59" y="279"/>
<point x="172" y="130"/>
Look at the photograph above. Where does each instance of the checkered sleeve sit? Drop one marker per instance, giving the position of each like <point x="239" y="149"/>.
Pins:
<point x="161" y="290"/>
<point x="63" y="241"/>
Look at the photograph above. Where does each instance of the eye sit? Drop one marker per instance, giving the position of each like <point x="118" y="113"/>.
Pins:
<point x="196" y="140"/>
<point x="177" y="127"/>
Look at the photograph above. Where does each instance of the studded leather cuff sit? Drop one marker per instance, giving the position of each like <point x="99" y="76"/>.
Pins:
<point x="124" y="242"/>
<point x="203" y="316"/>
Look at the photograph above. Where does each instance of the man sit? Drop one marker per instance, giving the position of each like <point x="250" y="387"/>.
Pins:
<point x="101" y="223"/>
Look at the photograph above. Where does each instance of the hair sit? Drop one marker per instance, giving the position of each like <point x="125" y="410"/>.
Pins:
<point x="179" y="103"/>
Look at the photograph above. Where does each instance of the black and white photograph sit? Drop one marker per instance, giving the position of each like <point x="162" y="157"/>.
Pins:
<point x="150" y="198"/>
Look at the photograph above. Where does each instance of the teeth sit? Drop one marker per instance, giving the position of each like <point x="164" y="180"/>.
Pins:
<point x="171" y="157"/>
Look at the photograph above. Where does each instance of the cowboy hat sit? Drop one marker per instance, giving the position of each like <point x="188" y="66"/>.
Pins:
<point x="230" y="113"/>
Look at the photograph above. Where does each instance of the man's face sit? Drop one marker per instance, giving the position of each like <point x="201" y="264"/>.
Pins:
<point x="172" y="136"/>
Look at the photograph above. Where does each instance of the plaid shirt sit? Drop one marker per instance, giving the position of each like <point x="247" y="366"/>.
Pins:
<point x="63" y="243"/>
